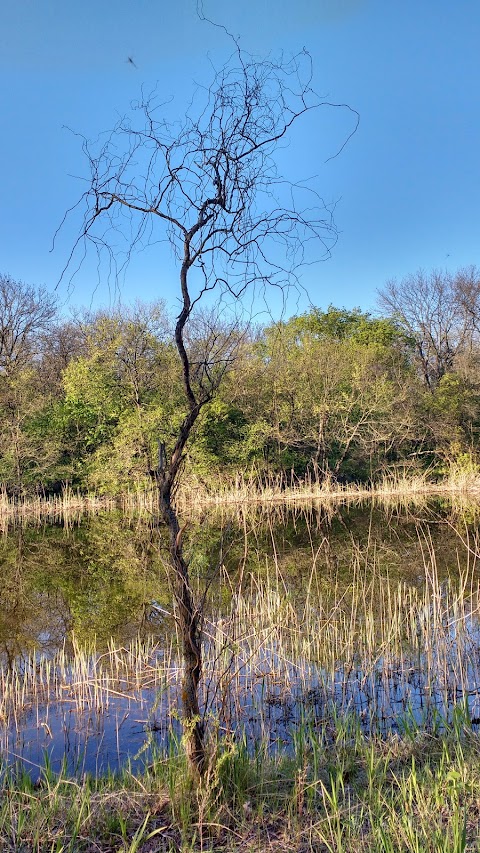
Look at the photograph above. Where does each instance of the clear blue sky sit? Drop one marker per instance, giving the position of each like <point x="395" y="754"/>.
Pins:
<point x="407" y="184"/>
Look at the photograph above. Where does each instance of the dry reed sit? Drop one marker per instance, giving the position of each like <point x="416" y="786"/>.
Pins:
<point x="267" y="490"/>
<point x="373" y="648"/>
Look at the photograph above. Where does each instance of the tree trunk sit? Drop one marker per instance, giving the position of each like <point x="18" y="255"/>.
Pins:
<point x="190" y="630"/>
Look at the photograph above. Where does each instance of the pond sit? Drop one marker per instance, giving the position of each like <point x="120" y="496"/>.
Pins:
<point x="310" y="612"/>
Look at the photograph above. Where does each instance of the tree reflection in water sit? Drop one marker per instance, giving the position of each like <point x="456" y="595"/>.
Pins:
<point x="63" y="587"/>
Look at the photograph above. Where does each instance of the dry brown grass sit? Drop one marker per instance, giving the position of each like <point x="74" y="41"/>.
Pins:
<point x="195" y="496"/>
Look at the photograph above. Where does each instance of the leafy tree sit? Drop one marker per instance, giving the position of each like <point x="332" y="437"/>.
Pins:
<point x="219" y="445"/>
<point x="113" y="408"/>
<point x="26" y="314"/>
<point x="439" y="312"/>
<point x="330" y="391"/>
<point x="452" y="418"/>
<point x="339" y="324"/>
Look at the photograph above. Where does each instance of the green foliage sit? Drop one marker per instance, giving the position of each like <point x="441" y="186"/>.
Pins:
<point x="452" y="412"/>
<point x="92" y="404"/>
<point x="220" y="439"/>
<point x="339" y="324"/>
<point x="332" y="387"/>
<point x="336" y="392"/>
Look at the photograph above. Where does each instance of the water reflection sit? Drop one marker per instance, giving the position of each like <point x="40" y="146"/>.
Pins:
<point x="352" y="608"/>
<point x="93" y="580"/>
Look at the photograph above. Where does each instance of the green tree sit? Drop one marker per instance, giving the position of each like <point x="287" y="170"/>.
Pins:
<point x="26" y="314"/>
<point x="331" y="390"/>
<point x="113" y="407"/>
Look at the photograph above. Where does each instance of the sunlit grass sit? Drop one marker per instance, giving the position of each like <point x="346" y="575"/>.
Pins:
<point x="283" y="489"/>
<point x="266" y="490"/>
<point x="82" y="679"/>
<point x="342" y="793"/>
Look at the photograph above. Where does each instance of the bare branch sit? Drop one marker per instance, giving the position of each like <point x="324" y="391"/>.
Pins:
<point x="210" y="186"/>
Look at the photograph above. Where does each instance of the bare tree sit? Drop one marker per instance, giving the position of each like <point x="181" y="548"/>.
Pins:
<point x="62" y="342"/>
<point x="25" y="312"/>
<point x="440" y="312"/>
<point x="209" y="185"/>
<point x="466" y="286"/>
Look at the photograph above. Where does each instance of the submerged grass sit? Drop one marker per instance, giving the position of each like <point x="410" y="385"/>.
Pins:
<point x="344" y="722"/>
<point x="367" y="645"/>
<point x="82" y="679"/>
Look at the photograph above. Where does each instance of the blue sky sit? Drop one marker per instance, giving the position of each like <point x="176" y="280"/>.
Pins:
<point x="406" y="186"/>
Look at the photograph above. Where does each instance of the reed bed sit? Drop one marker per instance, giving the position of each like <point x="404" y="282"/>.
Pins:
<point x="420" y="796"/>
<point x="67" y="508"/>
<point x="389" y="654"/>
<point x="343" y="721"/>
<point x="82" y="678"/>
<point x="288" y="489"/>
<point x="385" y="653"/>
<point x="195" y="496"/>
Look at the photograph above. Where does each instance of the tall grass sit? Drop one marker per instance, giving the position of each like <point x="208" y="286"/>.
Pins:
<point x="287" y="489"/>
<point x="83" y="679"/>
<point x="390" y="653"/>
<point x="68" y="508"/>
<point x="266" y="490"/>
<point x="343" y="720"/>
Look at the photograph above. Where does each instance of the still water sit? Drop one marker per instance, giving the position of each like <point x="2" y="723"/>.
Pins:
<point x="309" y="612"/>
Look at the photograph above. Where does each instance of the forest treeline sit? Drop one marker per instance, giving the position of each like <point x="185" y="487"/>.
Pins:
<point x="85" y="401"/>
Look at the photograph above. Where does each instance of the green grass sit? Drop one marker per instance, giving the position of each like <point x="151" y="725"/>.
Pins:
<point x="413" y="793"/>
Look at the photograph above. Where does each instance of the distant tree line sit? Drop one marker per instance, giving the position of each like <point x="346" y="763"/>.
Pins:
<point x="85" y="401"/>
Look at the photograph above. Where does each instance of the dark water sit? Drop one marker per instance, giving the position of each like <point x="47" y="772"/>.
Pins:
<point x="105" y="580"/>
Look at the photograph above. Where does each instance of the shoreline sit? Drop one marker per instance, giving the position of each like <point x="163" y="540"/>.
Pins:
<point x="242" y="492"/>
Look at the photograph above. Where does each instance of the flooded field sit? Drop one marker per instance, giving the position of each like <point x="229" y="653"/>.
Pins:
<point x="312" y="613"/>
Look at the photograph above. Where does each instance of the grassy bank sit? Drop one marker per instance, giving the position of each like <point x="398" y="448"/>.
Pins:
<point x="338" y="791"/>
<point x="195" y="496"/>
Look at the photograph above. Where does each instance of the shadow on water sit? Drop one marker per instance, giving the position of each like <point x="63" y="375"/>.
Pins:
<point x="313" y="612"/>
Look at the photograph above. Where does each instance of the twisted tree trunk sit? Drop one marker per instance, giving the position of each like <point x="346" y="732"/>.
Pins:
<point x="189" y="617"/>
<point x="190" y="630"/>
<point x="209" y="185"/>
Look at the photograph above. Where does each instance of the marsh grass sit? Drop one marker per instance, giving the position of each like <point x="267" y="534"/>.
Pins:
<point x="343" y="721"/>
<point x="351" y="793"/>
<point x="67" y="508"/>
<point x="82" y="679"/>
<point x="287" y="489"/>
<point x="381" y="649"/>
<point x="267" y="490"/>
